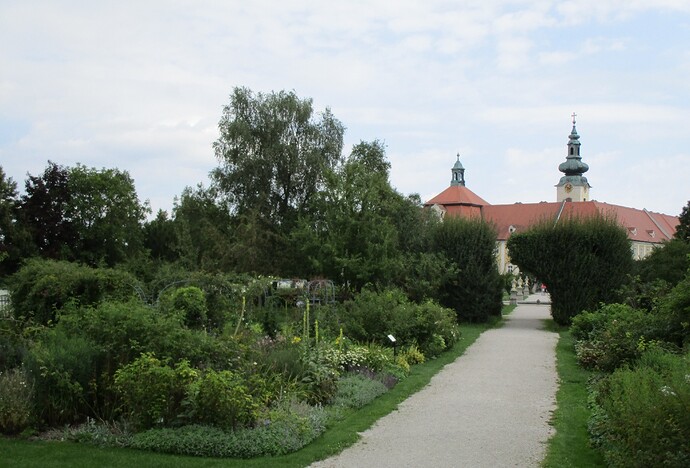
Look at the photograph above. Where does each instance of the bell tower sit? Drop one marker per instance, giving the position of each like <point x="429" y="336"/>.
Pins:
<point x="458" y="173"/>
<point x="573" y="186"/>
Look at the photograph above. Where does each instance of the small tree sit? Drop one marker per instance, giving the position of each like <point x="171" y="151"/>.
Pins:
<point x="582" y="261"/>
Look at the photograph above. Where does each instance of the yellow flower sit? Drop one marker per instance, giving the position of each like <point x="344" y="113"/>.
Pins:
<point x="296" y="339"/>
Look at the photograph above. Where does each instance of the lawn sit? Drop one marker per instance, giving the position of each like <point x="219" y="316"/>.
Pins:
<point x="569" y="447"/>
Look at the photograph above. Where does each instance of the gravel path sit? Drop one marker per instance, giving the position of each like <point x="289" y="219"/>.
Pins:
<point x="489" y="408"/>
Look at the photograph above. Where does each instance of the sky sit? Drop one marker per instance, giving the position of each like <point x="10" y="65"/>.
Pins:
<point x="140" y="86"/>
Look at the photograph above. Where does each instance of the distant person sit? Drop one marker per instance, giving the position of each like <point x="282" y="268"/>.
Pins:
<point x="543" y="289"/>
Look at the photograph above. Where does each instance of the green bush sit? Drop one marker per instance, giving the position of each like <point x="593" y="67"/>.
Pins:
<point x="16" y="395"/>
<point x="153" y="391"/>
<point x="320" y="378"/>
<point x="191" y="303"/>
<point x="643" y="413"/>
<point x="674" y="310"/>
<point x="42" y="287"/>
<point x="583" y="262"/>
<point x="372" y="316"/>
<point x="476" y="291"/>
<point x="435" y="328"/>
<point x="615" y="335"/>
<point x="13" y="344"/>
<point x="223" y="399"/>
<point x="63" y="369"/>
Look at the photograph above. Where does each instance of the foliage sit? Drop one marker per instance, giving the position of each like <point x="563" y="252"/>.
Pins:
<point x="160" y="238"/>
<point x="683" y="228"/>
<point x="669" y="263"/>
<point x="223" y="399"/>
<point x="14" y="240"/>
<point x="152" y="390"/>
<point x="582" y="261"/>
<point x="273" y="155"/>
<point x="287" y="429"/>
<point x="674" y="310"/>
<point x="475" y="292"/>
<point x="319" y="379"/>
<point x="83" y="214"/>
<point x="203" y="240"/>
<point x="106" y="214"/>
<point x="615" y="335"/>
<point x="42" y="287"/>
<point x="353" y="235"/>
<point x="340" y="433"/>
<point x="16" y="395"/>
<point x="642" y="414"/>
<point x="13" y="344"/>
<point x="63" y="369"/>
<point x="191" y="303"/>
<point x="372" y="316"/>
<point x="356" y="390"/>
<point x="44" y="209"/>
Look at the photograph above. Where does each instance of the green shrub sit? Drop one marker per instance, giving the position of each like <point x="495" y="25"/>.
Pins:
<point x="476" y="291"/>
<point x="674" y="310"/>
<point x="13" y="344"/>
<point x="223" y="399"/>
<point x="356" y="390"/>
<point x="191" y="303"/>
<point x="152" y="390"/>
<point x="372" y="316"/>
<point x="42" y="287"/>
<point x="614" y="335"/>
<point x="643" y="413"/>
<point x="413" y="355"/>
<point x="320" y="378"/>
<point x="63" y="369"/>
<point x="435" y="328"/>
<point x="16" y="395"/>
<point x="583" y="262"/>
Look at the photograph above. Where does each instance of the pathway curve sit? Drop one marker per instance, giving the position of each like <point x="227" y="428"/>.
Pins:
<point x="489" y="408"/>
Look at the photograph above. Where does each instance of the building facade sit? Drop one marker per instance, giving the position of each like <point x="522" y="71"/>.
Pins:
<point x="646" y="230"/>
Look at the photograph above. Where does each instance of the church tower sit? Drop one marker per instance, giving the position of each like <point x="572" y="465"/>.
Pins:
<point x="573" y="186"/>
<point x="458" y="173"/>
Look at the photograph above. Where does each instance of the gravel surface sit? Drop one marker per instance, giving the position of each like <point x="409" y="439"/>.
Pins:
<point x="489" y="408"/>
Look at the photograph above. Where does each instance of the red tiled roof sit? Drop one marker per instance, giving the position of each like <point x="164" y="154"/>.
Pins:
<point x="642" y="225"/>
<point x="521" y="216"/>
<point x="457" y="195"/>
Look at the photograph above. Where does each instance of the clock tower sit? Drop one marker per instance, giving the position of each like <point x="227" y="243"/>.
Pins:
<point x="573" y="186"/>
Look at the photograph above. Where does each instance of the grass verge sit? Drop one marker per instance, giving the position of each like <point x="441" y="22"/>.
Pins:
<point x="569" y="447"/>
<point x="20" y="453"/>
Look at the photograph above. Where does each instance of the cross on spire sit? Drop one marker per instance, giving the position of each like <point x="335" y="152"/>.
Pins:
<point x="573" y="116"/>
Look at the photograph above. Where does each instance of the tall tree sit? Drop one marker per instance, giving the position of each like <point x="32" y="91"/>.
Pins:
<point x="203" y="230"/>
<point x="354" y="238"/>
<point x="44" y="209"/>
<point x="14" y="241"/>
<point x="160" y="238"/>
<point x="683" y="228"/>
<point x="106" y="214"/>
<point x="83" y="214"/>
<point x="273" y="155"/>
